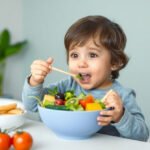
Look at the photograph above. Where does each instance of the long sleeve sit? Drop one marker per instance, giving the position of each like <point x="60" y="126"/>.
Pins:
<point x="28" y="95"/>
<point x="132" y="125"/>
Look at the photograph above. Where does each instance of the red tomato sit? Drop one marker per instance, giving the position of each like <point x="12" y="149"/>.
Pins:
<point x="88" y="99"/>
<point x="59" y="102"/>
<point x="82" y="102"/>
<point x="5" y="141"/>
<point x="22" y="140"/>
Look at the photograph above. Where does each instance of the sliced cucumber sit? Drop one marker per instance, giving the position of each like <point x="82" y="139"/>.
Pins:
<point x="57" y="107"/>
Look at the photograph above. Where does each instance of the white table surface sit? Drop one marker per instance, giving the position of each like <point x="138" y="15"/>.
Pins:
<point x="45" y="139"/>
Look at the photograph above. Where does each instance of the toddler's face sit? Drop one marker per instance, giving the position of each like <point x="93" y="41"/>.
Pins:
<point x="93" y="63"/>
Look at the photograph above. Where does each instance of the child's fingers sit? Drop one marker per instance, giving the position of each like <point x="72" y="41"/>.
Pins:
<point x="49" y="60"/>
<point x="107" y="113"/>
<point x="104" y="120"/>
<point x="113" y="100"/>
<point x="110" y="103"/>
<point x="103" y="123"/>
<point x="105" y="117"/>
<point x="41" y="63"/>
<point x="40" y="67"/>
<point x="39" y="72"/>
<point x="38" y="78"/>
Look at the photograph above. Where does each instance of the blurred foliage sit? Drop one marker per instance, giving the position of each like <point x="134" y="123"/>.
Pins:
<point x="7" y="49"/>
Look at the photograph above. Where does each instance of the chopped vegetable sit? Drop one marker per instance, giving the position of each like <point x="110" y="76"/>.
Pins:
<point x="57" y="107"/>
<point x="93" y="106"/>
<point x="101" y="103"/>
<point x="81" y="96"/>
<point x="53" y="91"/>
<point x="86" y="100"/>
<point x="69" y="94"/>
<point x="48" y="99"/>
<point x="76" y="108"/>
<point x="89" y="99"/>
<point x="79" y="76"/>
<point x="69" y="101"/>
<point x="72" y="101"/>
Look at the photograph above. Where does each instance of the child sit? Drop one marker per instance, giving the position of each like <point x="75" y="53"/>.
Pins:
<point x="95" y="50"/>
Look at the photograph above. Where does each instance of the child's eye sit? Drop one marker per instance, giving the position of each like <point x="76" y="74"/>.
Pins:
<point x="93" y="55"/>
<point x="73" y="55"/>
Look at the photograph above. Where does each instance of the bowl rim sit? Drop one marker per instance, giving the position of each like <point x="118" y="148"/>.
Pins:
<point x="81" y="111"/>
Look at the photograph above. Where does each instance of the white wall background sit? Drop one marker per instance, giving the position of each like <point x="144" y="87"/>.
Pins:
<point x="44" y="23"/>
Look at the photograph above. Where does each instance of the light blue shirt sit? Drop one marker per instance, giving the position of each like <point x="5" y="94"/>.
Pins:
<point x="132" y="124"/>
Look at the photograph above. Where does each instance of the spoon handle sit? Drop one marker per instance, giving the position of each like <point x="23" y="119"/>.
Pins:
<point x="64" y="72"/>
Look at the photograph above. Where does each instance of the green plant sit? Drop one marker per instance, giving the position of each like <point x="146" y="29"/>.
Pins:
<point x="6" y="50"/>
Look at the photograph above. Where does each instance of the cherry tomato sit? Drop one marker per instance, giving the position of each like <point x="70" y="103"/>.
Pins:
<point x="5" y="141"/>
<point x="59" y="102"/>
<point x="22" y="140"/>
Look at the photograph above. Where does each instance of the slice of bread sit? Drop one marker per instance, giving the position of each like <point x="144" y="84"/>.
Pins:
<point x="8" y="107"/>
<point x="15" y="111"/>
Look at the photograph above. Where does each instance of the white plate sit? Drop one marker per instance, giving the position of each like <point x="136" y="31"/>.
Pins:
<point x="11" y="121"/>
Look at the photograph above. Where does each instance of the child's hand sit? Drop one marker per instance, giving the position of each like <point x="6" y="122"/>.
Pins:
<point x="39" y="70"/>
<point x="113" y="100"/>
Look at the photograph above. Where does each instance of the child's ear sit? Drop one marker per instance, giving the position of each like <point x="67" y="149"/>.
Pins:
<point x="114" y="67"/>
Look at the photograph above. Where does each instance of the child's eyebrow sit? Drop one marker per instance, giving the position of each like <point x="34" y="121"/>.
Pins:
<point x="94" y="48"/>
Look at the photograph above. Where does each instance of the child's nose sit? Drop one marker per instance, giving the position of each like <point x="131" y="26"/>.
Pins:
<point x="82" y="63"/>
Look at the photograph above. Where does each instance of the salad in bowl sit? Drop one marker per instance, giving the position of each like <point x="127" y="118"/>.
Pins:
<point x="70" y="102"/>
<point x="70" y="116"/>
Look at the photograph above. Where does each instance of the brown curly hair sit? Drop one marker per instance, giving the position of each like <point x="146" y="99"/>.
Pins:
<point x="110" y="34"/>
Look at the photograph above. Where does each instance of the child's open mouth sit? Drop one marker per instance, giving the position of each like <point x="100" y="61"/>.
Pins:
<point x="84" y="77"/>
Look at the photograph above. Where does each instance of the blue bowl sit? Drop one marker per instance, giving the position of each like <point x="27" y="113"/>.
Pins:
<point x="70" y="124"/>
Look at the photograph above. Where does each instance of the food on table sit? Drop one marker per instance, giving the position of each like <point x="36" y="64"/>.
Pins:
<point x="5" y="141"/>
<point x="57" y="107"/>
<point x="69" y="94"/>
<point x="93" y="106"/>
<point x="86" y="100"/>
<point x="70" y="102"/>
<point x="11" y="108"/>
<point x="8" y="107"/>
<point x="48" y="99"/>
<point x="59" y="102"/>
<point x="59" y="99"/>
<point x="59" y="96"/>
<point x="15" y="111"/>
<point x="22" y="140"/>
<point x="73" y="104"/>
